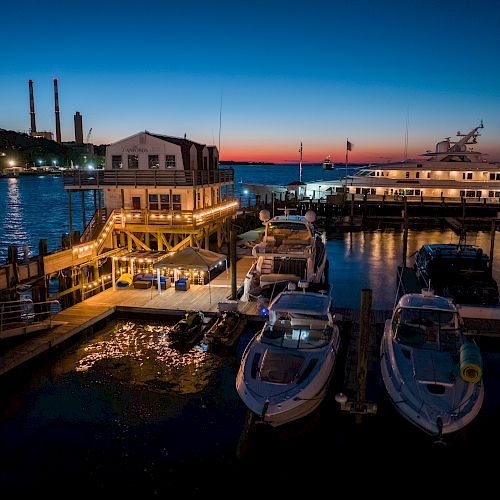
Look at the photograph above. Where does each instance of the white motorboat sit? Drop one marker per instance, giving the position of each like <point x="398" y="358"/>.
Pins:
<point x="432" y="373"/>
<point x="291" y="250"/>
<point x="287" y="366"/>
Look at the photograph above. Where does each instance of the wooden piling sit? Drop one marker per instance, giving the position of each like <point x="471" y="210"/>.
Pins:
<point x="363" y="344"/>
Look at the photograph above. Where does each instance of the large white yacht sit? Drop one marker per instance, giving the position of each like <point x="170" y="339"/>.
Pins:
<point x="287" y="366"/>
<point x="432" y="373"/>
<point x="453" y="171"/>
<point x="291" y="250"/>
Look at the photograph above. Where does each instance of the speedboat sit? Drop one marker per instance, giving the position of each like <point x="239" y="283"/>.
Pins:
<point x="287" y="366"/>
<point x="291" y="250"/>
<point x="432" y="373"/>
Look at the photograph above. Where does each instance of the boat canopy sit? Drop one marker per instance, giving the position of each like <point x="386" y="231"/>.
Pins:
<point x="310" y="303"/>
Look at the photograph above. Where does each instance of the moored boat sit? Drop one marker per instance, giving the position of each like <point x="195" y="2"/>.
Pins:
<point x="287" y="366"/>
<point x="189" y="329"/>
<point x="432" y="373"/>
<point x="328" y="163"/>
<point x="225" y="330"/>
<point x="291" y="250"/>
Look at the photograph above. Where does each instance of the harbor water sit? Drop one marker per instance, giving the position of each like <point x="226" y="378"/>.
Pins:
<point x="124" y="412"/>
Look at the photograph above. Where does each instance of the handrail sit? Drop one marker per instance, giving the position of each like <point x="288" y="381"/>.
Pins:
<point x="25" y="312"/>
<point x="99" y="178"/>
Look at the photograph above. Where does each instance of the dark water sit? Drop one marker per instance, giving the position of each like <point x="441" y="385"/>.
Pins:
<point x="125" y="413"/>
<point x="32" y="208"/>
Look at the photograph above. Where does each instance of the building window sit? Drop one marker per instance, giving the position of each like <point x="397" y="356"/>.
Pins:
<point x="407" y="175"/>
<point x="469" y="175"/>
<point x="462" y="193"/>
<point x="498" y="177"/>
<point x="170" y="161"/>
<point x="417" y="192"/>
<point x="428" y="175"/>
<point x="478" y="194"/>
<point x="153" y="161"/>
<point x="492" y="177"/>
<point x="153" y="202"/>
<point x="417" y="175"/>
<point x="133" y="161"/>
<point x="358" y="190"/>
<point x="176" y="202"/>
<point x="116" y="162"/>
<point x="497" y="193"/>
<point x="470" y="194"/>
<point x="491" y="194"/>
<point x="463" y="176"/>
<point x="164" y="202"/>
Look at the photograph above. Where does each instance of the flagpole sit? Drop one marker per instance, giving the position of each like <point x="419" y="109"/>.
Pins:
<point x="300" y="163"/>
<point x="346" y="161"/>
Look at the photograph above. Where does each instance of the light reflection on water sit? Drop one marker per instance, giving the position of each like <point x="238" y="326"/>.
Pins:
<point x="143" y="354"/>
<point x="369" y="259"/>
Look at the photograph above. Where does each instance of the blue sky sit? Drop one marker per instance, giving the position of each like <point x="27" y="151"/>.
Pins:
<point x="286" y="72"/>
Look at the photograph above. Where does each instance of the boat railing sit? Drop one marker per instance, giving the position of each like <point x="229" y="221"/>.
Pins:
<point x="19" y="314"/>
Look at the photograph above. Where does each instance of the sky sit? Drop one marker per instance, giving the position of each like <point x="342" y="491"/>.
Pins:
<point x="257" y="78"/>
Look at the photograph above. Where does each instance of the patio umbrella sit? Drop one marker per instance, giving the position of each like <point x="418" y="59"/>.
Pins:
<point x="193" y="258"/>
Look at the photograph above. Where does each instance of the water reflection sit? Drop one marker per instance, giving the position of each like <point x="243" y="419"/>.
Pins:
<point x="369" y="259"/>
<point x="12" y="220"/>
<point x="143" y="354"/>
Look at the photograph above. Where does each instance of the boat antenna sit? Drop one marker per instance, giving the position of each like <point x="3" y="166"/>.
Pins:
<point x="220" y="118"/>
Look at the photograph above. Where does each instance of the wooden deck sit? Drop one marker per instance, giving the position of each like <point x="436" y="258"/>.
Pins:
<point x="85" y="315"/>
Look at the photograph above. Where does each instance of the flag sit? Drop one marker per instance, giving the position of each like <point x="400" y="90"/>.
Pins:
<point x="349" y="145"/>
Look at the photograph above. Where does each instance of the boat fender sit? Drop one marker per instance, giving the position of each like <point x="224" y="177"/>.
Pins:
<point x="471" y="366"/>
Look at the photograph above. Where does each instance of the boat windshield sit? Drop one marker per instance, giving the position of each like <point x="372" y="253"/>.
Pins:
<point x="297" y="336"/>
<point x="428" y="329"/>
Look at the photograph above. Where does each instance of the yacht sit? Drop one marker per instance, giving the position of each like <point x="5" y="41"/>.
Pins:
<point x="432" y="373"/>
<point x="454" y="170"/>
<point x="291" y="250"/>
<point x="287" y="366"/>
<point x="459" y="271"/>
<point x="328" y="163"/>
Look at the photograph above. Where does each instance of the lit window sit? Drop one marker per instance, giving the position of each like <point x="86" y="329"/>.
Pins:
<point x="176" y="202"/>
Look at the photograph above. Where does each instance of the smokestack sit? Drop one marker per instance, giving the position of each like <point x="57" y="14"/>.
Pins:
<point x="58" y="123"/>
<point x="78" y="128"/>
<point x="32" y="107"/>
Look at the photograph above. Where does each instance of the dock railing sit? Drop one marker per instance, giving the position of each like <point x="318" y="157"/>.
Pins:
<point x="18" y="316"/>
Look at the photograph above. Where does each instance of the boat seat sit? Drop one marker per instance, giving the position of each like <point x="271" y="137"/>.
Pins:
<point x="271" y="278"/>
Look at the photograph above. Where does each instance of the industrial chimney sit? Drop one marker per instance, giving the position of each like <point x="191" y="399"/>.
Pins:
<point x="78" y="128"/>
<point x="32" y="108"/>
<point x="58" y="123"/>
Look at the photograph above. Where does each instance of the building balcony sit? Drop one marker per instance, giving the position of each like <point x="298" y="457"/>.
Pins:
<point x="96" y="179"/>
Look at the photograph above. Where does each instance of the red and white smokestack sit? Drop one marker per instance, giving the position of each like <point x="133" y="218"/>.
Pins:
<point x="32" y="107"/>
<point x="56" y="101"/>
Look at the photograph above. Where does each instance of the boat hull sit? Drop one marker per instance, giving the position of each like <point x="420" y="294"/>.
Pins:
<point x="278" y="407"/>
<point x="424" y="412"/>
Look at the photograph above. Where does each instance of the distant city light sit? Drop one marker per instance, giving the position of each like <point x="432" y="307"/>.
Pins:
<point x="245" y="191"/>
<point x="11" y="163"/>
<point x="90" y="166"/>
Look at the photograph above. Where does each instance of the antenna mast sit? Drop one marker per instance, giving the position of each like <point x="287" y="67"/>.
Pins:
<point x="300" y="163"/>
<point x="220" y="118"/>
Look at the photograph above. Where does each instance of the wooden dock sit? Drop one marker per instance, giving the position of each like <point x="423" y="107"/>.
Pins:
<point x="89" y="314"/>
